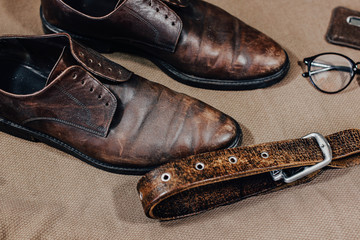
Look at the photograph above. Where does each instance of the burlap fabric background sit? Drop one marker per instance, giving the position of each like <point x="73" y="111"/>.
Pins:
<point x="47" y="194"/>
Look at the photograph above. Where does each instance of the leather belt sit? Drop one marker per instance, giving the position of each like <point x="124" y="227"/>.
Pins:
<point x="205" y="181"/>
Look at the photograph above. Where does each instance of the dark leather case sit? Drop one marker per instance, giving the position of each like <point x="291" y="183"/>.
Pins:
<point x="344" y="28"/>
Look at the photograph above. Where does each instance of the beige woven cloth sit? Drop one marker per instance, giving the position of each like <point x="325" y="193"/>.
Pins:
<point x="47" y="194"/>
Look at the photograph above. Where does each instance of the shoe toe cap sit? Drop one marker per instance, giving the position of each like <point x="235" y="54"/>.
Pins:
<point x="257" y="55"/>
<point x="207" y="129"/>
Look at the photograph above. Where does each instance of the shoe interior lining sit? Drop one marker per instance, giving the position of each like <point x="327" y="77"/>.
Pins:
<point x="25" y="64"/>
<point x="94" y="8"/>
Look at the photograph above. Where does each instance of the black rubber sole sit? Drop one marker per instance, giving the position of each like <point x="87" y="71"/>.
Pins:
<point x="35" y="136"/>
<point x="107" y="46"/>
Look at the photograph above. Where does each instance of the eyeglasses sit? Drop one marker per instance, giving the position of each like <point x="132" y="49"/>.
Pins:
<point x="331" y="72"/>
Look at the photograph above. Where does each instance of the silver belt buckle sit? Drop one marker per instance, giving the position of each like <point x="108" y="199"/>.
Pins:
<point x="327" y="153"/>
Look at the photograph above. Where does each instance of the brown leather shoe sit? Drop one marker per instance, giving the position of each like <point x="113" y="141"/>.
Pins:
<point x="192" y="41"/>
<point x="55" y="91"/>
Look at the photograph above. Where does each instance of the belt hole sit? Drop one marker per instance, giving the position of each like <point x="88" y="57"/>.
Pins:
<point x="233" y="160"/>
<point x="165" y="177"/>
<point x="199" y="166"/>
<point x="265" y="155"/>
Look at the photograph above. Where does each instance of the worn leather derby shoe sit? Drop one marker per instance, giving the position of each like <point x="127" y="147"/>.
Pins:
<point x="56" y="91"/>
<point x="192" y="41"/>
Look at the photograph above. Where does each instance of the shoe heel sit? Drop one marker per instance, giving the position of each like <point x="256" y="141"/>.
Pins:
<point x="15" y="130"/>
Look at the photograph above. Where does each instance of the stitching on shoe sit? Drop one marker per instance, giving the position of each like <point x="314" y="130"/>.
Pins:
<point x="64" y="122"/>
<point x="100" y="129"/>
<point x="77" y="101"/>
<point x="136" y="15"/>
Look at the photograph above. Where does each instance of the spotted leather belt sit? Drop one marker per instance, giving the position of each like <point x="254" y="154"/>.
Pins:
<point x="205" y="181"/>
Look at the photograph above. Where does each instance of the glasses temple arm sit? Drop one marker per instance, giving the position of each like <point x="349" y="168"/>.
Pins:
<point x="326" y="68"/>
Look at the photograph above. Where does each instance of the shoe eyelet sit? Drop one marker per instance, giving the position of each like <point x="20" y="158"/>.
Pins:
<point x="166" y="16"/>
<point x="173" y="23"/>
<point x="165" y="177"/>
<point x="199" y="166"/>
<point x="107" y="104"/>
<point x="157" y="9"/>
<point x="110" y="69"/>
<point x="99" y="64"/>
<point x="99" y="97"/>
<point x="74" y="76"/>
<point x="91" y="61"/>
<point x="91" y="89"/>
<point x="265" y="155"/>
<point x="233" y="159"/>
<point x="150" y="4"/>
<point x="82" y="82"/>
<point x="81" y="54"/>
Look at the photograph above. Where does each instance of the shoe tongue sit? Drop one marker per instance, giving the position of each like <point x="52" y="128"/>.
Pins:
<point x="65" y="61"/>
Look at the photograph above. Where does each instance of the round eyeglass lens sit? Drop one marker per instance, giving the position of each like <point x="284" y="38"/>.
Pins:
<point x="331" y="73"/>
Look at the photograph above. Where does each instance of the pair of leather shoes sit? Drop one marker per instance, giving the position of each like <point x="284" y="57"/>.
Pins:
<point x="58" y="92"/>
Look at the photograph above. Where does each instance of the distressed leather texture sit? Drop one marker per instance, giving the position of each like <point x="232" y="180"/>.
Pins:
<point x="221" y="180"/>
<point x="57" y="105"/>
<point x="195" y="37"/>
<point x="340" y="31"/>
<point x="112" y="115"/>
<point x="121" y="24"/>
<point x="215" y="45"/>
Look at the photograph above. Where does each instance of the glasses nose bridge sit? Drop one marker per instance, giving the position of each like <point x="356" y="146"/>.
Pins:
<point x="357" y="68"/>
